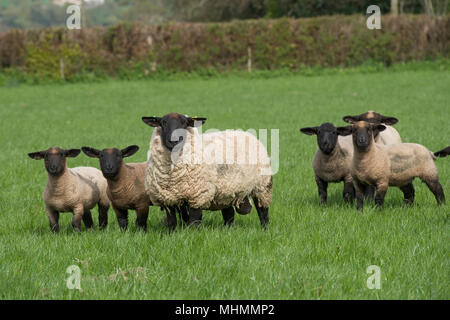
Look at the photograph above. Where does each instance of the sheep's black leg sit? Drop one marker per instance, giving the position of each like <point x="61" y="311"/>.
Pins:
<point x="53" y="218"/>
<point x="369" y="193"/>
<point x="322" y="186"/>
<point x="102" y="216"/>
<point x="141" y="218"/>
<point x="122" y="217"/>
<point x="87" y="219"/>
<point x="195" y="217"/>
<point x="349" y="192"/>
<point x="228" y="216"/>
<point x="263" y="213"/>
<point x="436" y="188"/>
<point x="184" y="213"/>
<point x="360" y="189"/>
<point x="171" y="213"/>
<point x="382" y="188"/>
<point x="408" y="194"/>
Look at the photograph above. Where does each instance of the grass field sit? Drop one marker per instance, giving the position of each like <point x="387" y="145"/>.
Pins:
<point x="308" y="252"/>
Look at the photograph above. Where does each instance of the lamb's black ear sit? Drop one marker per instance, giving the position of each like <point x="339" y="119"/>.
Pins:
<point x="351" y="119"/>
<point x="37" y="155"/>
<point x="129" y="151"/>
<point x="379" y="127"/>
<point x="152" y="121"/>
<point x="344" y="131"/>
<point x="195" y="121"/>
<point x="388" y="120"/>
<point x="72" y="153"/>
<point x="309" y="130"/>
<point x="91" y="152"/>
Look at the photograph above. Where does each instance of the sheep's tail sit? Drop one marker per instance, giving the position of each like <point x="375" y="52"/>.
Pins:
<point x="442" y="153"/>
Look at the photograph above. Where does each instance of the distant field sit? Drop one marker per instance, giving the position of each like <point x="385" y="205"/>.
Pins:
<point x="308" y="252"/>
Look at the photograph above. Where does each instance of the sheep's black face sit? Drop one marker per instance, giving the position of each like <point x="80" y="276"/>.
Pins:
<point x="327" y="136"/>
<point x="54" y="159"/>
<point x="364" y="133"/>
<point x="371" y="117"/>
<point x="111" y="159"/>
<point x="173" y="128"/>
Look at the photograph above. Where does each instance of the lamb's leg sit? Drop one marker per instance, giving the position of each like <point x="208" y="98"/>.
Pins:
<point x="141" y="217"/>
<point x="360" y="189"/>
<point x="228" y="216"/>
<point x="53" y="218"/>
<point x="171" y="213"/>
<point x="77" y="217"/>
<point x="322" y="186"/>
<point x="184" y="213"/>
<point x="349" y="191"/>
<point x="87" y="219"/>
<point x="369" y="193"/>
<point x="263" y="213"/>
<point x="436" y="188"/>
<point x="408" y="194"/>
<point x="382" y="187"/>
<point x="102" y="216"/>
<point x="195" y="216"/>
<point x="122" y="217"/>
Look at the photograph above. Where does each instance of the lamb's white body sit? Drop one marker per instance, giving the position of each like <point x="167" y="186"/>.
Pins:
<point x="389" y="136"/>
<point x="210" y="173"/>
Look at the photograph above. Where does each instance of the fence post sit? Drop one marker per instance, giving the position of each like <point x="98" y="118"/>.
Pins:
<point x="249" y="59"/>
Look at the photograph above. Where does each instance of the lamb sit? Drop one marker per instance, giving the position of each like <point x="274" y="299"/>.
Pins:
<point x="181" y="171"/>
<point x="332" y="160"/>
<point x="386" y="137"/>
<point x="390" y="165"/>
<point x="125" y="183"/>
<point x="75" y="190"/>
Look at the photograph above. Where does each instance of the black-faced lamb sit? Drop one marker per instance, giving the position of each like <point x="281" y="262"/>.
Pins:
<point x="389" y="136"/>
<point x="75" y="190"/>
<point x="332" y="160"/>
<point x="185" y="167"/>
<point x="397" y="165"/>
<point x="126" y="188"/>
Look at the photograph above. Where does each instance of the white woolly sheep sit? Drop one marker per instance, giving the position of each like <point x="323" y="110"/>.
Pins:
<point x="205" y="171"/>
<point x="75" y="190"/>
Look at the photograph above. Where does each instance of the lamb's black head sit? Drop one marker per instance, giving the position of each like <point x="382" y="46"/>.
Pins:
<point x="111" y="159"/>
<point x="372" y="117"/>
<point x="327" y="136"/>
<point x="54" y="159"/>
<point x="363" y="133"/>
<point x="173" y="127"/>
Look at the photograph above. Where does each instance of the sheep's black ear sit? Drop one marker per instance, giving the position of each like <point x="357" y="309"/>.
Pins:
<point x="309" y="130"/>
<point x="152" y="121"/>
<point x="351" y="119"/>
<point x="193" y="121"/>
<point x="379" y="127"/>
<point x="443" y="153"/>
<point x="129" y="151"/>
<point x="37" y="155"/>
<point x="91" y="152"/>
<point x="388" y="120"/>
<point x="344" y="131"/>
<point x="72" y="153"/>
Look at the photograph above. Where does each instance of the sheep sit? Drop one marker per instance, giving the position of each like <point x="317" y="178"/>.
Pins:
<point x="125" y="183"/>
<point x="180" y="170"/>
<point x="75" y="190"/>
<point x="386" y="137"/>
<point x="390" y="165"/>
<point x="332" y="160"/>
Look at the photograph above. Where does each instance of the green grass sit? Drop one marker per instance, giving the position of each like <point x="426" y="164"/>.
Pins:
<point x="308" y="252"/>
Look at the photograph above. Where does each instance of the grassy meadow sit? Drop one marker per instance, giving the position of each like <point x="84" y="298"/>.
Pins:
<point x="308" y="252"/>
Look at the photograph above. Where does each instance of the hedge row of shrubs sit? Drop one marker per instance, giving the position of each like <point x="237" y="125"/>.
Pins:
<point x="272" y="44"/>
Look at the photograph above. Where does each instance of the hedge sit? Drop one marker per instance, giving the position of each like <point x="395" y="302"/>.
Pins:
<point x="57" y="53"/>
